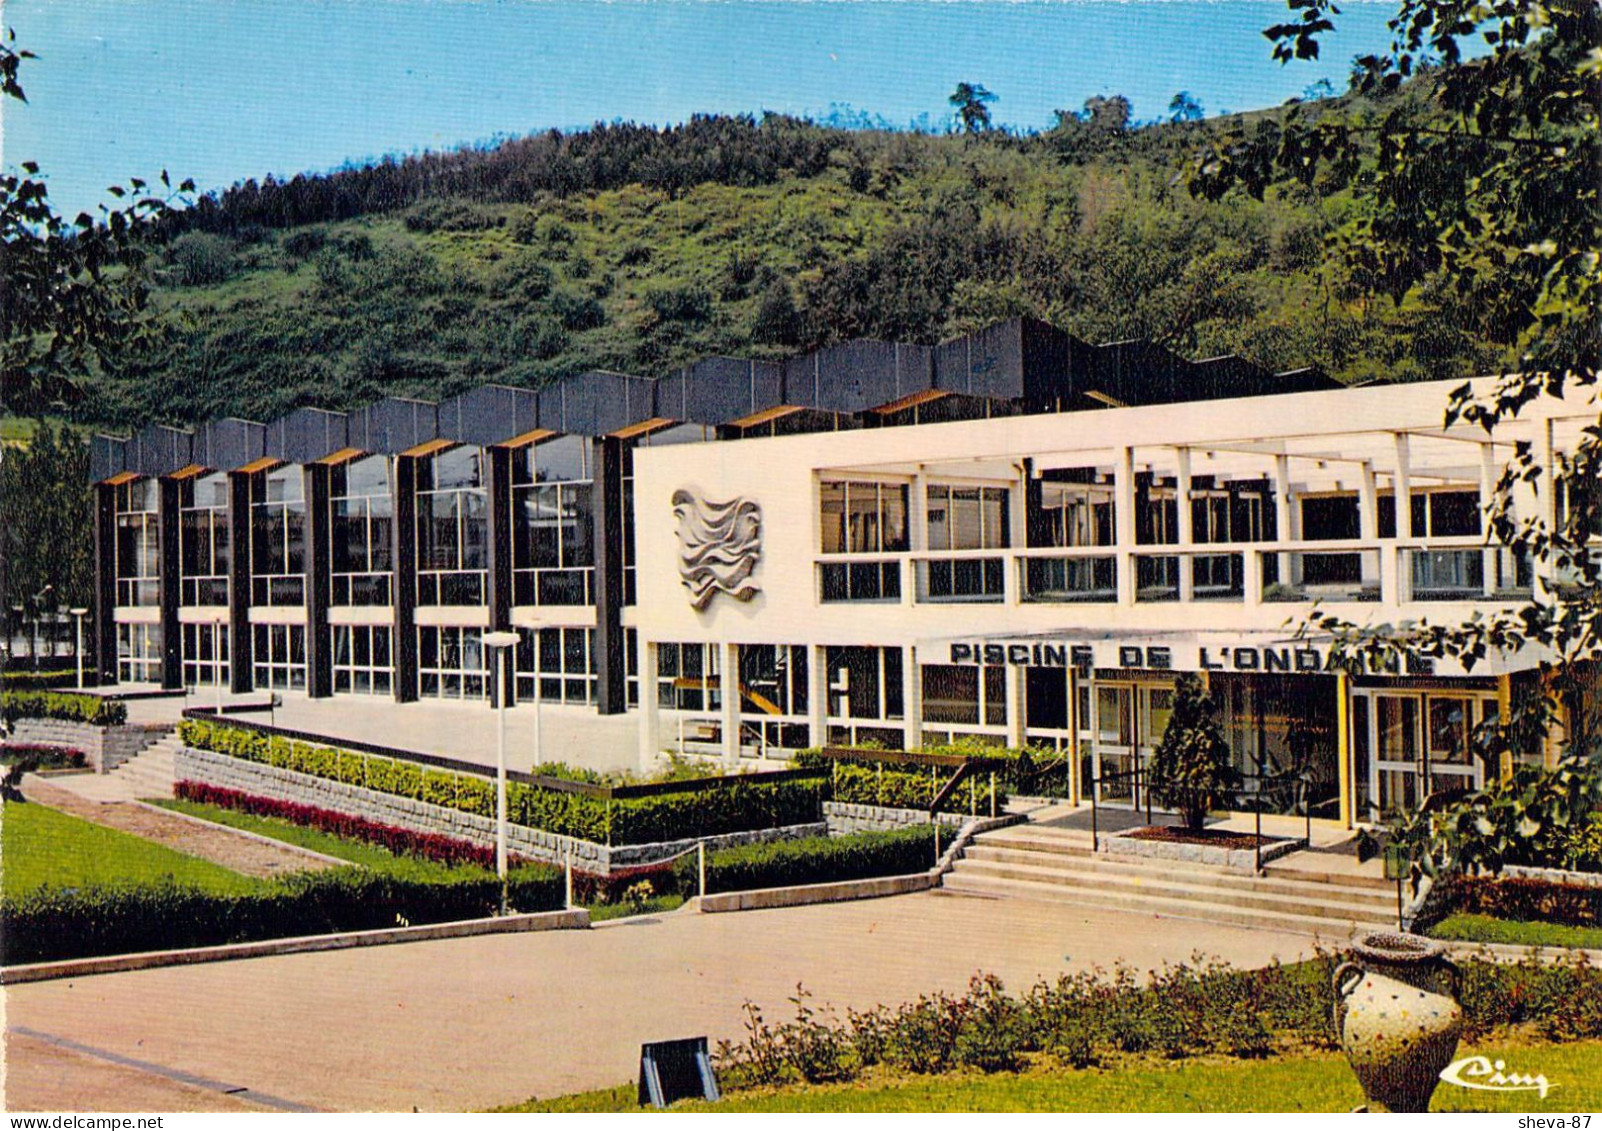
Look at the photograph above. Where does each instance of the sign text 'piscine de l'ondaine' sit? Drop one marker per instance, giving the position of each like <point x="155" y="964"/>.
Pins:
<point x="1212" y="657"/>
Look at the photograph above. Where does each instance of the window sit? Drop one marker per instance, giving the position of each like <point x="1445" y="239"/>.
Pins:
<point x="279" y="658"/>
<point x="452" y="528"/>
<point x="954" y="693"/>
<point x="203" y="540"/>
<point x="773" y="679"/>
<point x="139" y="653"/>
<point x="863" y="518"/>
<point x="687" y="677"/>
<point x="1074" y="513"/>
<point x="362" y="521"/>
<point x="553" y="553"/>
<point x="451" y="663"/>
<point x="205" y="654"/>
<point x="1234" y="515"/>
<point x="138" y="549"/>
<point x="558" y="663"/>
<point x="967" y="518"/>
<point x="864" y="683"/>
<point x="362" y="660"/>
<point x="278" y="537"/>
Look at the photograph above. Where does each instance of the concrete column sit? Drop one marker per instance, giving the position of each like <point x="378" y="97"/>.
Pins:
<point x="1284" y="525"/>
<point x="911" y="701"/>
<point x="1076" y="784"/>
<point x="319" y="583"/>
<point x="817" y="695"/>
<point x="1015" y="705"/>
<point x="1343" y="746"/>
<point x="498" y="504"/>
<point x="1368" y="522"/>
<point x="241" y="676"/>
<point x="1185" y="524"/>
<point x="729" y="689"/>
<point x="1124" y="523"/>
<point x="606" y="501"/>
<point x="1491" y="555"/>
<point x="404" y="647"/>
<point x="650" y="713"/>
<point x="917" y="536"/>
<point x="172" y="671"/>
<point x="103" y="630"/>
<point x="1546" y="508"/>
<point x="1402" y="576"/>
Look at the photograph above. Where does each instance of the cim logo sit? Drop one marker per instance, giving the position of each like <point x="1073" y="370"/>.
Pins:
<point x="1489" y="1075"/>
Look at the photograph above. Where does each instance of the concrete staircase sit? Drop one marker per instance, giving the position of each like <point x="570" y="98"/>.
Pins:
<point x="1057" y="865"/>
<point x="147" y="774"/>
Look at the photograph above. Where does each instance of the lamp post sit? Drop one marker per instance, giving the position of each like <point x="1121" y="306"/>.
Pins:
<point x="77" y="641"/>
<point x="498" y="643"/>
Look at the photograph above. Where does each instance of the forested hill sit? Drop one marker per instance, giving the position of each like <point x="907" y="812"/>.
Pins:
<point x="634" y="249"/>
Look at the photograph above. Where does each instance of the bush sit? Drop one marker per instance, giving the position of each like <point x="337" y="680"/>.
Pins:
<point x="1528" y="899"/>
<point x="51" y="924"/>
<point x="577" y="311"/>
<point x="402" y="842"/>
<point x="814" y="860"/>
<point x="64" y="705"/>
<point x="42" y="756"/>
<point x="201" y="259"/>
<point x="738" y="805"/>
<point x="869" y="782"/>
<point x="448" y="216"/>
<point x="39" y="681"/>
<point x="688" y="303"/>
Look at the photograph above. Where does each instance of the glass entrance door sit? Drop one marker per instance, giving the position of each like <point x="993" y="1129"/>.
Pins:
<point x="1422" y="744"/>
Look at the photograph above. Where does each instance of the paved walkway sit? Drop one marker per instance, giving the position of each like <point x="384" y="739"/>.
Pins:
<point x="470" y="1023"/>
<point x="221" y="845"/>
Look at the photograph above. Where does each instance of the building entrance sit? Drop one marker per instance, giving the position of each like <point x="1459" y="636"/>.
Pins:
<point x="1415" y="744"/>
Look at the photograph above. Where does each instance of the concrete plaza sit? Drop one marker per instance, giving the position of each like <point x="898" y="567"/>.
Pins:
<point x="471" y="1023"/>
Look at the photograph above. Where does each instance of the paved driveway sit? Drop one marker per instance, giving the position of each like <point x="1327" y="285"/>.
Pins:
<point x="470" y="1023"/>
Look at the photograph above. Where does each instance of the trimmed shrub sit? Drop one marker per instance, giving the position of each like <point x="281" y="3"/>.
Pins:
<point x="42" y="756"/>
<point x="1528" y="899"/>
<point x="814" y="860"/>
<point x="402" y="842"/>
<point x="54" y="923"/>
<point x="64" y="705"/>
<point x="23" y="680"/>
<point x="736" y="806"/>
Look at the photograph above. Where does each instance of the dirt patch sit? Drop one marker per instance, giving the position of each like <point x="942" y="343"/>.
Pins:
<point x="220" y="845"/>
<point x="1212" y="838"/>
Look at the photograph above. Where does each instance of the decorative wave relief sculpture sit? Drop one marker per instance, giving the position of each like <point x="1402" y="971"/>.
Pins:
<point x="719" y="544"/>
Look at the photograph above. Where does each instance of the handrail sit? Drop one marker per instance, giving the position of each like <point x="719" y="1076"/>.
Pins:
<point x="946" y="790"/>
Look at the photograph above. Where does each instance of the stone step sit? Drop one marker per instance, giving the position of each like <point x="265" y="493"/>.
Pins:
<point x="958" y="884"/>
<point x="1191" y="890"/>
<point x="1114" y="868"/>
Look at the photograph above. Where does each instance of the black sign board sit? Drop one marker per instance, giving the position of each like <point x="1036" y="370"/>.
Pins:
<point x="676" y="1070"/>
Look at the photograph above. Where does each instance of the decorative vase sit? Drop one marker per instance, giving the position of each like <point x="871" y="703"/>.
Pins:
<point x="1397" y="1015"/>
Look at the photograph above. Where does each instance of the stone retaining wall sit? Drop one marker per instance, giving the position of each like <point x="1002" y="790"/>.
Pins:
<point x="104" y="748"/>
<point x="845" y="817"/>
<point x="260" y="780"/>
<point x="1553" y="875"/>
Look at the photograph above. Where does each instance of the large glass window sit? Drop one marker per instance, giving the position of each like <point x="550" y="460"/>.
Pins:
<point x="688" y="677"/>
<point x="452" y="528"/>
<point x="553" y="552"/>
<point x="139" y="653"/>
<point x="1075" y="510"/>
<point x="773" y="689"/>
<point x="954" y="693"/>
<point x="557" y="663"/>
<point x="205" y="654"/>
<point x="279" y="656"/>
<point x="138" y="544"/>
<point x="203" y="540"/>
<point x="278" y="537"/>
<point x="362" y="659"/>
<point x="362" y="517"/>
<point x="863" y="518"/>
<point x="451" y="663"/>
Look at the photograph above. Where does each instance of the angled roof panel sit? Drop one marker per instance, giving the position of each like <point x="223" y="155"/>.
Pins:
<point x="107" y="456"/>
<point x="228" y="444"/>
<point x="307" y="434"/>
<point x="718" y="390"/>
<point x="489" y="414"/>
<point x="598" y="403"/>
<point x="393" y="425"/>
<point x="159" y="450"/>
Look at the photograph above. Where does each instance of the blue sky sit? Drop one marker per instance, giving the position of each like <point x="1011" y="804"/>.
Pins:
<point x="221" y="90"/>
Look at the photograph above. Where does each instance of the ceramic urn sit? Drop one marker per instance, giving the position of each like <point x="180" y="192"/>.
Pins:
<point x="1398" y="1019"/>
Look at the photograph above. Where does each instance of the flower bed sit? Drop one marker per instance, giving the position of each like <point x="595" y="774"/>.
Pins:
<point x="429" y="846"/>
<point x="43" y="755"/>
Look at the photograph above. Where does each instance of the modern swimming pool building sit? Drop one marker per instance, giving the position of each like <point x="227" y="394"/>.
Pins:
<point x="1013" y="536"/>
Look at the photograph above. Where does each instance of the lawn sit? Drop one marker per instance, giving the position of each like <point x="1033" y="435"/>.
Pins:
<point x="1488" y="928"/>
<point x="1309" y="1082"/>
<point x="40" y="847"/>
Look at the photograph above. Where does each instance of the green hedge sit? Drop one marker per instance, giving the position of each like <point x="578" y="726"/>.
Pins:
<point x="66" y="705"/>
<point x="869" y="782"/>
<point x="814" y="860"/>
<point x="36" y="681"/>
<point x="738" y="806"/>
<point x="55" y="923"/>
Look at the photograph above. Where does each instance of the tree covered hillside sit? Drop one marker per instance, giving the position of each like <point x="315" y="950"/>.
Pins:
<point x="633" y="249"/>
